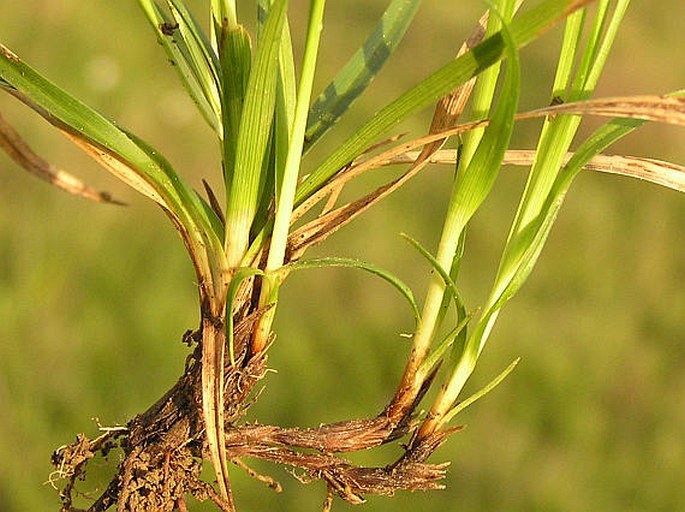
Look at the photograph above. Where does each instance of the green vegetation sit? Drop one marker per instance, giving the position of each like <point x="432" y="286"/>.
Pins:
<point x="130" y="308"/>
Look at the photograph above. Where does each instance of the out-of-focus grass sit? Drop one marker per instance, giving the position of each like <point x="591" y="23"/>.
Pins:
<point x="94" y="299"/>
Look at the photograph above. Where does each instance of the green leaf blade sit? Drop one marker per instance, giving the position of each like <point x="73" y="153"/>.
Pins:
<point x="524" y="29"/>
<point x="253" y="137"/>
<point x="200" y="83"/>
<point x="480" y="173"/>
<point x="236" y="60"/>
<point x="119" y="151"/>
<point x="353" y="79"/>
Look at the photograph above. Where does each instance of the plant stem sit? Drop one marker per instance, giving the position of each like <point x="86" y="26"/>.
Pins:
<point x="213" y="344"/>
<point x="455" y="222"/>
<point x="286" y="195"/>
<point x="516" y="261"/>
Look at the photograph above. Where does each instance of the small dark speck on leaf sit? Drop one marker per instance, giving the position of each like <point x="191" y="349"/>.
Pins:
<point x="168" y="28"/>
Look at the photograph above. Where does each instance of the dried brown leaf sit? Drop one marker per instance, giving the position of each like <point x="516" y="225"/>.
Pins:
<point x="17" y="148"/>
<point x="661" y="109"/>
<point x="659" y="172"/>
<point x="109" y="160"/>
<point x="117" y="167"/>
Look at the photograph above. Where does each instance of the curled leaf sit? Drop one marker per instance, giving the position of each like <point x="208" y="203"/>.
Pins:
<point x="363" y="265"/>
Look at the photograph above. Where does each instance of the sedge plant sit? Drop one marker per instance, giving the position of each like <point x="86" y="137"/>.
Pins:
<point x="246" y="239"/>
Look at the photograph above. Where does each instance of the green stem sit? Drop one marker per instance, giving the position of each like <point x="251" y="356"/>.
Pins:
<point x="286" y="195"/>
<point x="557" y="135"/>
<point x="284" y="208"/>
<point x="455" y="221"/>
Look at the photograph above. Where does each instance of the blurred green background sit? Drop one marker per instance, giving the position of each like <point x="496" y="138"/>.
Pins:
<point x="94" y="299"/>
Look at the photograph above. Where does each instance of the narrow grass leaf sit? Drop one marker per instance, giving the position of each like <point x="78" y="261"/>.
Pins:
<point x="253" y="137"/>
<point x="524" y="29"/>
<point x="482" y="392"/>
<point x="478" y="177"/>
<point x="571" y="44"/>
<point x="450" y="286"/>
<point x="353" y="79"/>
<point x="362" y="265"/>
<point x="204" y="59"/>
<point x="286" y="99"/>
<point x="197" y="71"/>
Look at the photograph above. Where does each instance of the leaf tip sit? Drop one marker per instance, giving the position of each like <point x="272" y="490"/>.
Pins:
<point x="9" y="53"/>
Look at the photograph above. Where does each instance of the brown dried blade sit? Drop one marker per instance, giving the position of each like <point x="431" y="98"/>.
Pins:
<point x="17" y="148"/>
<point x="335" y="192"/>
<point x="659" y="172"/>
<point x="450" y="107"/>
<point x="661" y="109"/>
